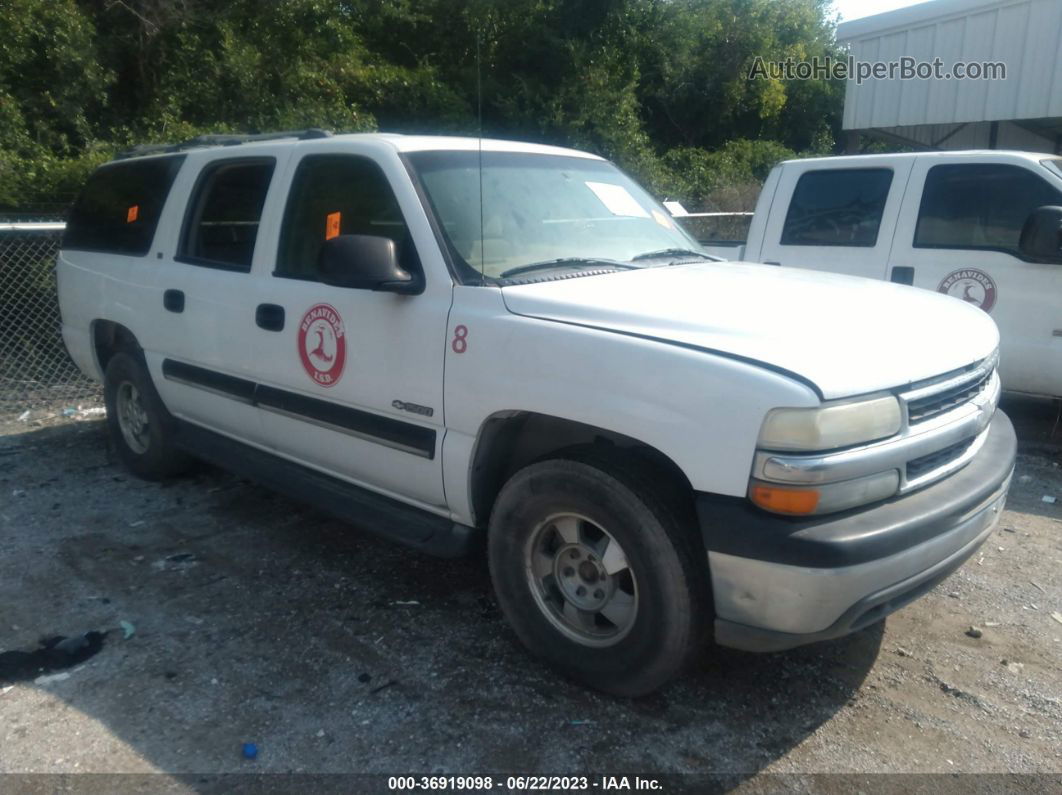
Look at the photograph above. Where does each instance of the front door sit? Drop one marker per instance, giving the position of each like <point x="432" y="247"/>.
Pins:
<point x="963" y="223"/>
<point x="351" y="380"/>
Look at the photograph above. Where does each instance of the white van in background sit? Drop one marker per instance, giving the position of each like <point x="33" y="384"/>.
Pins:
<point x="973" y="225"/>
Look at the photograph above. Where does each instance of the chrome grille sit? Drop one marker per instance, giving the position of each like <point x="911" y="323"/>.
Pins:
<point x="930" y="406"/>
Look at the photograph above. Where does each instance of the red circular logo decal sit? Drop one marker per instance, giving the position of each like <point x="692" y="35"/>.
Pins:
<point x="322" y="344"/>
<point x="971" y="285"/>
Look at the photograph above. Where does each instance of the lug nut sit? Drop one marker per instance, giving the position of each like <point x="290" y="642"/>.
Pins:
<point x="580" y="591"/>
<point x="599" y="594"/>
<point x="569" y="571"/>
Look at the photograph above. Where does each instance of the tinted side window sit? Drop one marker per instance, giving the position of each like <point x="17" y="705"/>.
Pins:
<point x="119" y="208"/>
<point x="338" y="195"/>
<point x="222" y="223"/>
<point x="979" y="205"/>
<point x="837" y="208"/>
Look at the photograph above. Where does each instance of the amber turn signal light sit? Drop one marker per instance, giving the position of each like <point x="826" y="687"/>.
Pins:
<point x="779" y="499"/>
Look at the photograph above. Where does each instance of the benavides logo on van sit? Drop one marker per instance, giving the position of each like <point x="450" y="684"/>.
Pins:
<point x="322" y="344"/>
<point x="971" y="285"/>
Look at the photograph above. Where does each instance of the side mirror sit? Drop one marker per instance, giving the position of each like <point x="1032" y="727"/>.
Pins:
<point x="364" y="262"/>
<point x="1041" y="236"/>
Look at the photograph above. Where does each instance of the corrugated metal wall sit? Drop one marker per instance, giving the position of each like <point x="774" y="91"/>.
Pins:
<point x="1025" y="34"/>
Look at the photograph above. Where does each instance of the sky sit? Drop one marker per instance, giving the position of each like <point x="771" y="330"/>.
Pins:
<point x="854" y="9"/>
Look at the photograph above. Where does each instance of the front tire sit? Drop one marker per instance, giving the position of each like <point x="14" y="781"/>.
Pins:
<point x="598" y="573"/>
<point x="141" y="428"/>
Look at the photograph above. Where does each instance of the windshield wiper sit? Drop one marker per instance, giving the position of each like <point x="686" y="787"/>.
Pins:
<point x="673" y="252"/>
<point x="563" y="262"/>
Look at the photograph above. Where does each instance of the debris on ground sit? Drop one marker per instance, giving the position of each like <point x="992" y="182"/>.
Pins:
<point x="1013" y="667"/>
<point x="128" y="630"/>
<point x="5" y="690"/>
<point x="1049" y="499"/>
<point x="1057" y="617"/>
<point x="47" y="679"/>
<point x="250" y="751"/>
<point x="24" y="416"/>
<point x="182" y="560"/>
<point x="974" y="632"/>
<point x="410" y="602"/>
<point x="53" y="654"/>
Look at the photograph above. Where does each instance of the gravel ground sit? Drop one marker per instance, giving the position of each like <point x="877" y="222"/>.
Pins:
<point x="259" y="620"/>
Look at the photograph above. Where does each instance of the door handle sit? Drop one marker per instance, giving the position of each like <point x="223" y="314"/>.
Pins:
<point x="771" y="262"/>
<point x="902" y="274"/>
<point x="173" y="301"/>
<point x="270" y="317"/>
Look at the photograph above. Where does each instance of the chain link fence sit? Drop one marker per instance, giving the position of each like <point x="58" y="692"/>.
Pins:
<point x="36" y="373"/>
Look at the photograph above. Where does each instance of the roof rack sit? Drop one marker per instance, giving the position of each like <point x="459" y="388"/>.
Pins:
<point x="221" y="139"/>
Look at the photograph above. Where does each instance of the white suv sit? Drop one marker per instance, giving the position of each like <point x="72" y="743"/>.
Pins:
<point x="446" y="338"/>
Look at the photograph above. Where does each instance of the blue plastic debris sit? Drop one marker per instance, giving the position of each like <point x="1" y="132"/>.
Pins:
<point x="250" y="751"/>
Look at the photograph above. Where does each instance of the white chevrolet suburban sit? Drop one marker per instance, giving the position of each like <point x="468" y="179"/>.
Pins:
<point x="984" y="227"/>
<point x="448" y="339"/>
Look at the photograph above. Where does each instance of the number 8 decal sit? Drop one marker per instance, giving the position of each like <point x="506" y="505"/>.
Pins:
<point x="460" y="341"/>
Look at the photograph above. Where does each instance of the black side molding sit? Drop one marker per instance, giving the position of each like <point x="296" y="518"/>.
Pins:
<point x="414" y="439"/>
<point x="226" y="385"/>
<point x="432" y="534"/>
<point x="404" y="436"/>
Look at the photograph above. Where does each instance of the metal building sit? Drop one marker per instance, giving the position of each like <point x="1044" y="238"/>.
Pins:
<point x="1022" y="111"/>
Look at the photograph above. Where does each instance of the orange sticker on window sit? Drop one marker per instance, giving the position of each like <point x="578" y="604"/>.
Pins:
<point x="132" y="213"/>
<point x="332" y="225"/>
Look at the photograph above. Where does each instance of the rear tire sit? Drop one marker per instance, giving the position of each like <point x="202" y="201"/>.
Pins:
<point x="141" y="428"/>
<point x="598" y="573"/>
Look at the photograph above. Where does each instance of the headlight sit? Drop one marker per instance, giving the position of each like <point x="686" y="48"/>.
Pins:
<point x="830" y="427"/>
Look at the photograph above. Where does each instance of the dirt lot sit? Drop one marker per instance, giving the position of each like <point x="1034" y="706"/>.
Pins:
<point x="259" y="620"/>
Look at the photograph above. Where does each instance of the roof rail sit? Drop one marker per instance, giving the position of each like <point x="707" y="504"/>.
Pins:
<point x="221" y="139"/>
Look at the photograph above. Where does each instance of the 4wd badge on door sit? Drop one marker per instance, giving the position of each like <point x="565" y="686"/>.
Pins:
<point x="322" y="344"/>
<point x="971" y="285"/>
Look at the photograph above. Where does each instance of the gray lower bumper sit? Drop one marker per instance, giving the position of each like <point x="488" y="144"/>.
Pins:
<point x="828" y="577"/>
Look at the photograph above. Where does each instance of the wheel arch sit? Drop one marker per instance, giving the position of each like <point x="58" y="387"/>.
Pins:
<point x="510" y="440"/>
<point x="108" y="338"/>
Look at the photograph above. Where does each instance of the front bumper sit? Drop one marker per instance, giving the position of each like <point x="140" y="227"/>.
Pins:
<point x="779" y="582"/>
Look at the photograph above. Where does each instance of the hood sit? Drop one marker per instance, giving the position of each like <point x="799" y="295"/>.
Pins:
<point x="845" y="334"/>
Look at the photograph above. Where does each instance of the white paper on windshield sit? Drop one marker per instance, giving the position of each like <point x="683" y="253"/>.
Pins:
<point x="617" y="199"/>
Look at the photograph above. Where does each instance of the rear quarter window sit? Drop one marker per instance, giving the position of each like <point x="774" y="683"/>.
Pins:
<point x="119" y="208"/>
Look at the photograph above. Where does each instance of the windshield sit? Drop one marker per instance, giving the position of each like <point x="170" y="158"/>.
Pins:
<point x="542" y="212"/>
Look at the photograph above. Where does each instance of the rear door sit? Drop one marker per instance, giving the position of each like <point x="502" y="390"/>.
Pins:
<point x="958" y="234"/>
<point x="204" y="309"/>
<point x="835" y="217"/>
